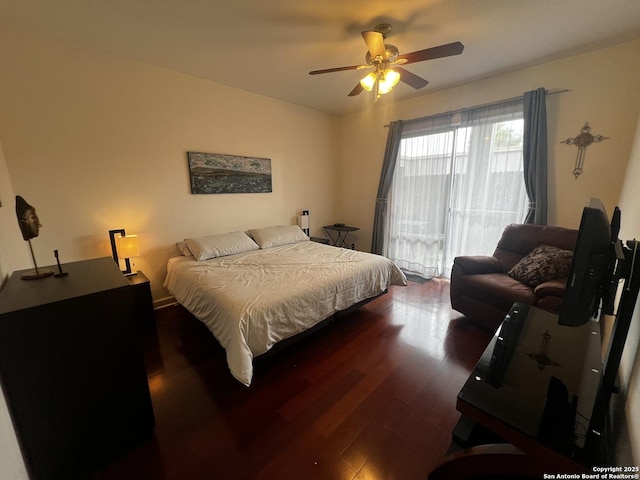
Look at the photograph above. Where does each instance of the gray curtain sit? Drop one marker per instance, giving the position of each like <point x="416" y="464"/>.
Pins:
<point x="535" y="155"/>
<point x="386" y="176"/>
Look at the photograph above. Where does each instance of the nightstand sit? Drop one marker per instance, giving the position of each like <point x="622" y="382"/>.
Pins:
<point x="143" y="304"/>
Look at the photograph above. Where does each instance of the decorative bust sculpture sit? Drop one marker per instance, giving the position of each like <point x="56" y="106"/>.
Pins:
<point x="27" y="219"/>
<point x="30" y="228"/>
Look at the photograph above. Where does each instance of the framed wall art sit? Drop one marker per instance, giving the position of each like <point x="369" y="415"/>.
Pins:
<point x="221" y="173"/>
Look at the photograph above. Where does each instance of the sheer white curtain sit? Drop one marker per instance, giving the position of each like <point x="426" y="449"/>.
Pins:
<point x="422" y="179"/>
<point x="458" y="182"/>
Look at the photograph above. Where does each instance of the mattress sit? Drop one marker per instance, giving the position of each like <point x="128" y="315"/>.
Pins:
<point x="252" y="300"/>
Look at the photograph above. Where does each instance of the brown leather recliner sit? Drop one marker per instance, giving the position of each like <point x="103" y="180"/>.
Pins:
<point x="481" y="288"/>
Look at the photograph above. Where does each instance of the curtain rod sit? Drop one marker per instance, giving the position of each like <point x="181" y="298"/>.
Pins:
<point x="453" y="112"/>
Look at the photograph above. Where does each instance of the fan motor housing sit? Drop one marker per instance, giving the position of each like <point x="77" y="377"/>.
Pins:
<point x="391" y="53"/>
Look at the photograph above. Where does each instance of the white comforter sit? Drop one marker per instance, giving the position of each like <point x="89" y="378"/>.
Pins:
<point x="252" y="300"/>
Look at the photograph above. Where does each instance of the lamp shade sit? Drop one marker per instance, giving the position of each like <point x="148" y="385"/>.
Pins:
<point x="128" y="246"/>
<point x="369" y="81"/>
<point x="390" y="80"/>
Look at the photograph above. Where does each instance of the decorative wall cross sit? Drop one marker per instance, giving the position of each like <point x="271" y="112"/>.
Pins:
<point x="582" y="141"/>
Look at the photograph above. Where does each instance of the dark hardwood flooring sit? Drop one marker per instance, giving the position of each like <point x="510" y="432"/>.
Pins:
<point x="371" y="396"/>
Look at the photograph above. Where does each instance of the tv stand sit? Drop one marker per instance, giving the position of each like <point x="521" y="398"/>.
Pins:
<point x="534" y="387"/>
<point x="539" y="395"/>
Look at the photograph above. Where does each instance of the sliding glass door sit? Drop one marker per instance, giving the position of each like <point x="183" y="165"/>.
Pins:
<point x="457" y="183"/>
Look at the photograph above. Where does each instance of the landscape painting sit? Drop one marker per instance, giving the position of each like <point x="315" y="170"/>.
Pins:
<point x="220" y="173"/>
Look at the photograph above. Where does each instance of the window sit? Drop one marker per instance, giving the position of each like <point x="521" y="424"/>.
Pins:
<point x="457" y="183"/>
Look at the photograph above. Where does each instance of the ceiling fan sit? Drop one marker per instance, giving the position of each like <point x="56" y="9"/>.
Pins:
<point x="385" y="60"/>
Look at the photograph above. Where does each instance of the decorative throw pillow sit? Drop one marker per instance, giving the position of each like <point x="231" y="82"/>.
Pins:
<point x="542" y="264"/>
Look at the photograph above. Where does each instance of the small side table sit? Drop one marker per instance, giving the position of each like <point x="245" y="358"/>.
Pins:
<point x="143" y="304"/>
<point x="339" y="233"/>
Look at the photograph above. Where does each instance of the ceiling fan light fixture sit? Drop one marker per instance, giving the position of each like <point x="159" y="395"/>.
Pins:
<point x="381" y="57"/>
<point x="389" y="80"/>
<point x="369" y="81"/>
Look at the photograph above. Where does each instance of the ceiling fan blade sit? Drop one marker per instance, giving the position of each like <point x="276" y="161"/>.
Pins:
<point x="411" y="78"/>
<point x="375" y="43"/>
<point x="356" y="90"/>
<point x="337" y="69"/>
<point x="447" y="50"/>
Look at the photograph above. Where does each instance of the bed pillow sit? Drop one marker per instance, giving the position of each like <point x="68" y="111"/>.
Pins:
<point x="184" y="250"/>
<point x="278" y="235"/>
<point x="212" y="246"/>
<point x="542" y="264"/>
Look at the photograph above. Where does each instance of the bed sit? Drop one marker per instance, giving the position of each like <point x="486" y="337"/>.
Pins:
<point x="253" y="291"/>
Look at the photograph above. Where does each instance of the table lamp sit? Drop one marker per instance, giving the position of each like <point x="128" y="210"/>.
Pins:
<point x="124" y="247"/>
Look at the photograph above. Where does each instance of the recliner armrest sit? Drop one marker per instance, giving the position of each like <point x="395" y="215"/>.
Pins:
<point x="473" y="264"/>
<point x="555" y="287"/>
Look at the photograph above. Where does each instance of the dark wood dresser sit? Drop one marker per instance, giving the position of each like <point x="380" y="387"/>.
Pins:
<point x="72" y="368"/>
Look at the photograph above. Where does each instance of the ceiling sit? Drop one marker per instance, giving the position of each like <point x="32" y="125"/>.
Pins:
<point x="268" y="46"/>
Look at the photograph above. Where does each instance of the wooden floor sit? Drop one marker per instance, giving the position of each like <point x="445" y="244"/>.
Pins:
<point x="371" y="396"/>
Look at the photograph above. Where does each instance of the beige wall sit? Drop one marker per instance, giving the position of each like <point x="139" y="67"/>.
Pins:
<point x="13" y="253"/>
<point x="629" y="448"/>
<point x="97" y="143"/>
<point x="603" y="91"/>
<point x="13" y="249"/>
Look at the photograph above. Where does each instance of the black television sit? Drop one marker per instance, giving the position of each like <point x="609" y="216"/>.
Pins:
<point x="590" y="279"/>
